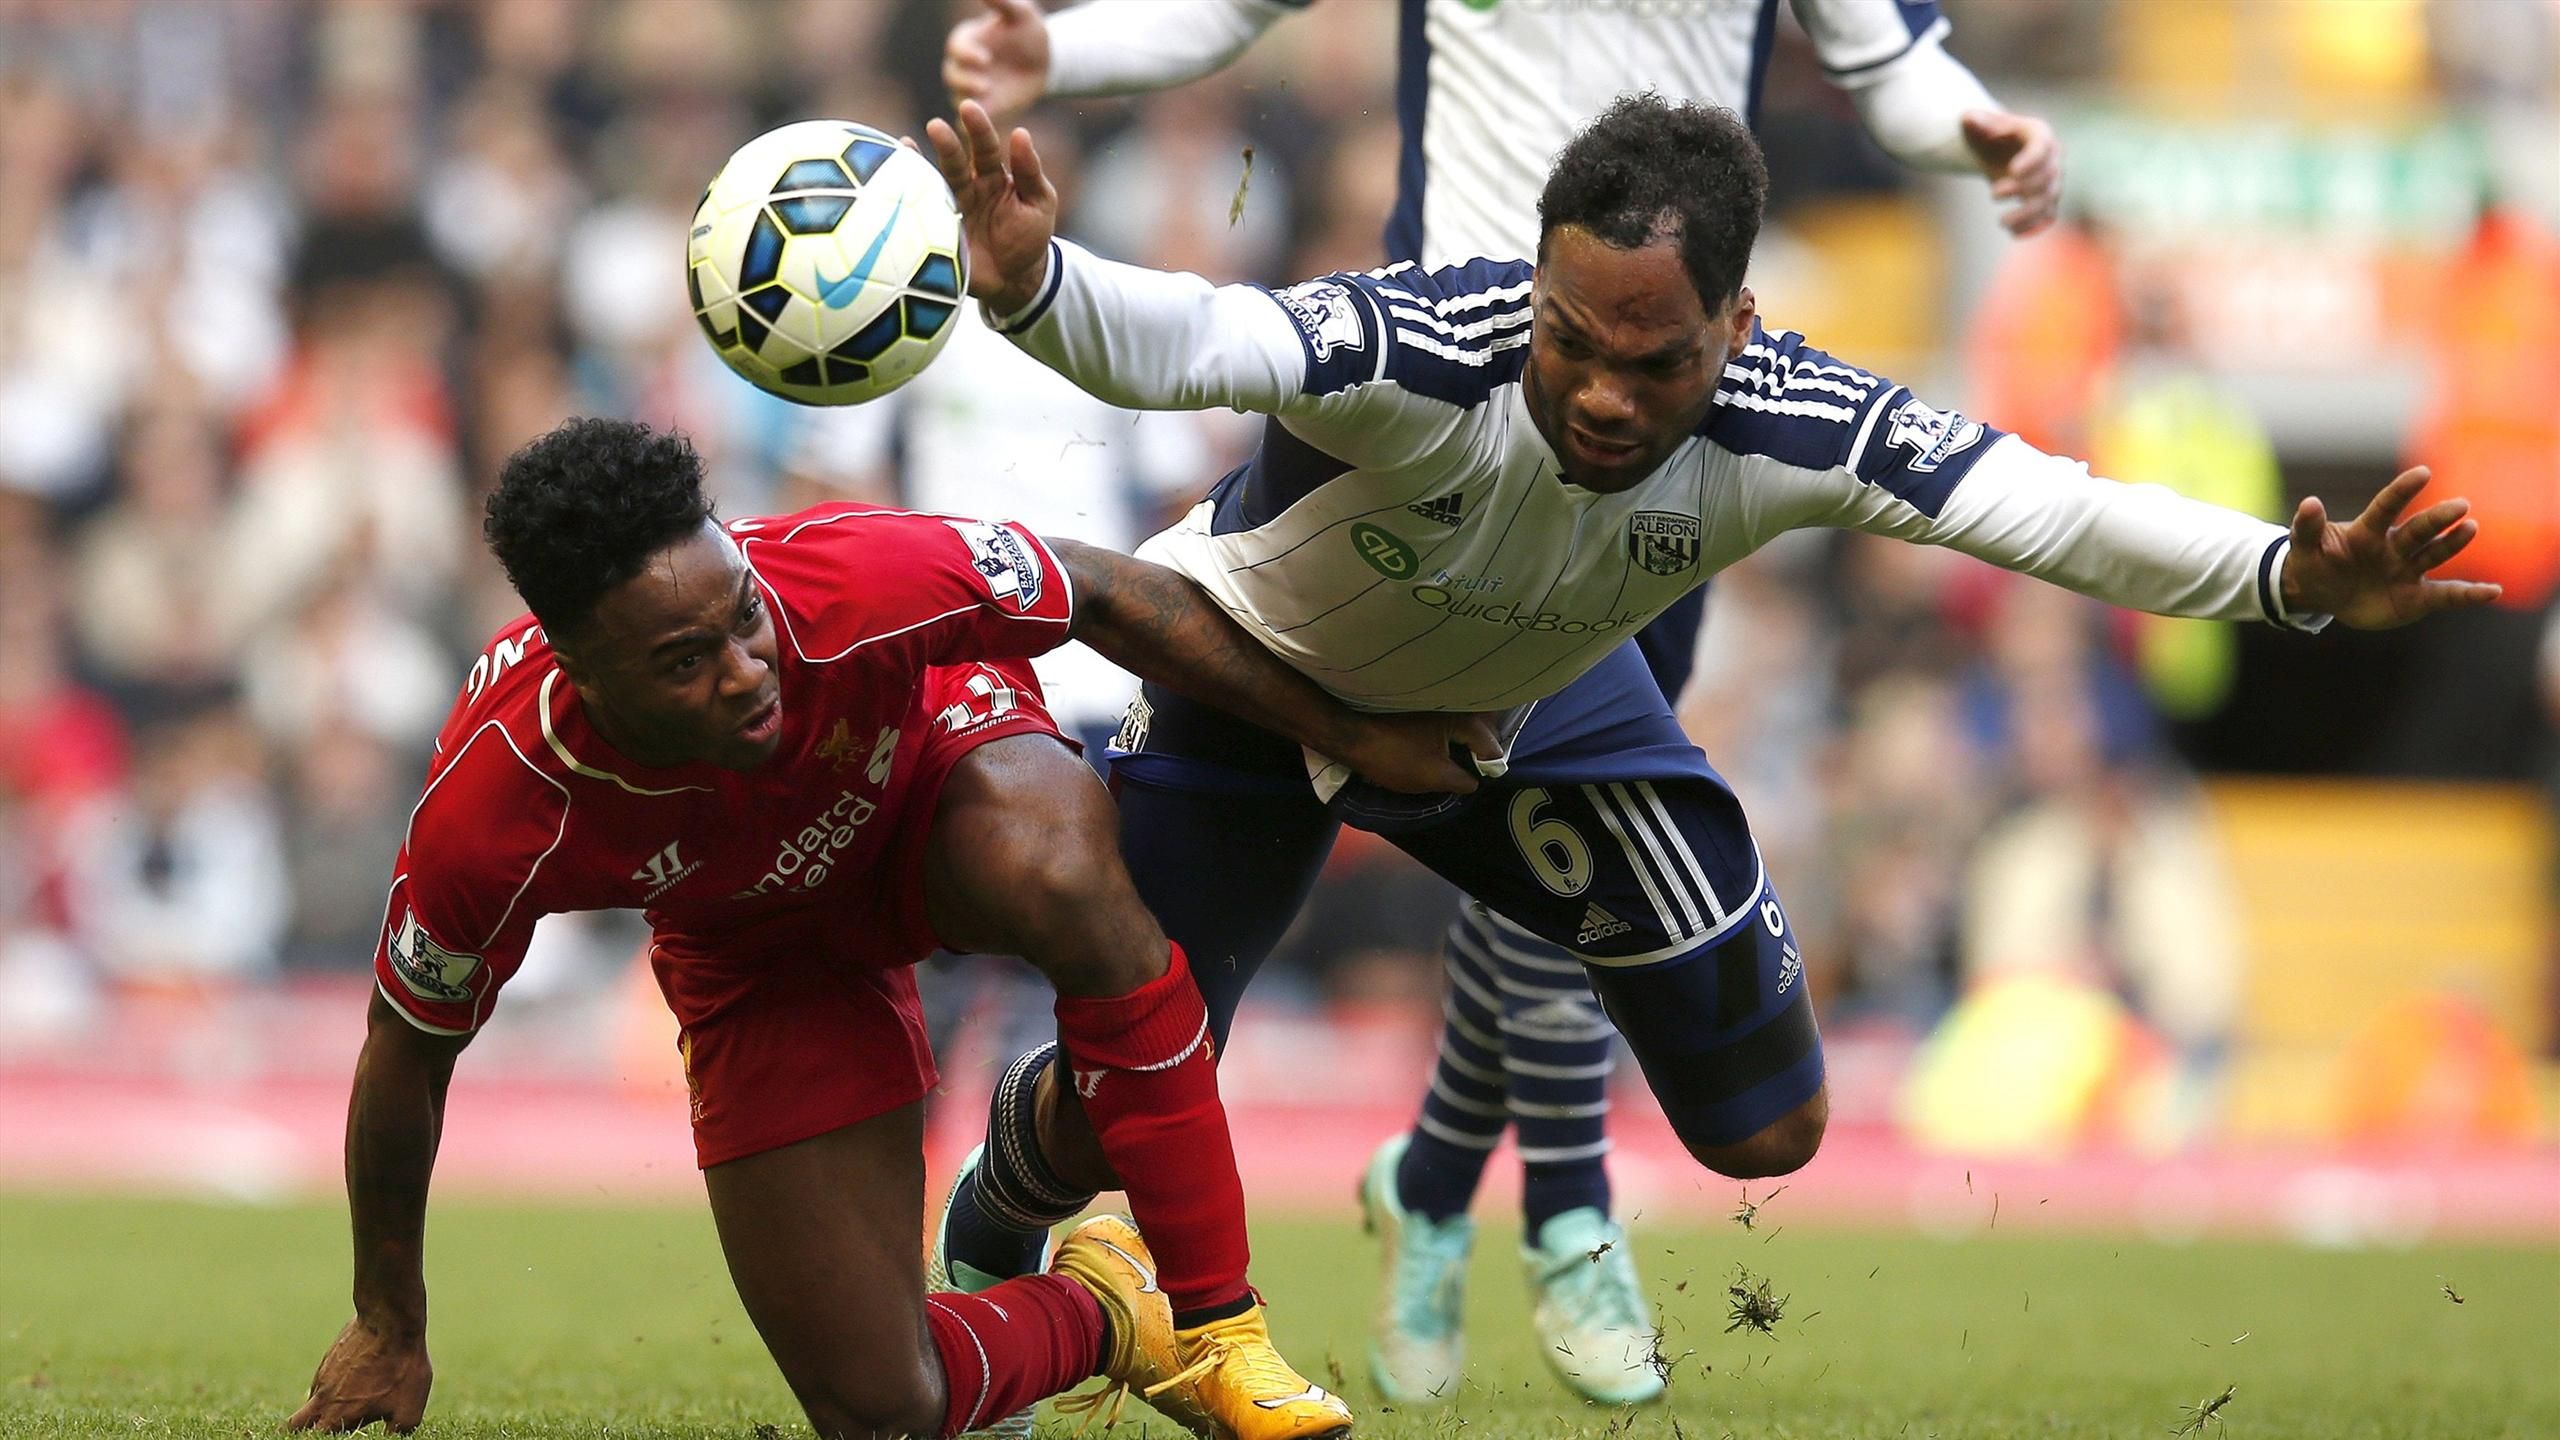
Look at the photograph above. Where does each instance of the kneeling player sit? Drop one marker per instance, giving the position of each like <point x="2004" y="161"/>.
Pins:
<point x="810" y="748"/>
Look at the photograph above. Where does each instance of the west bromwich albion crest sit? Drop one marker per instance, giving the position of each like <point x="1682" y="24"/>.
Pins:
<point x="1663" y="542"/>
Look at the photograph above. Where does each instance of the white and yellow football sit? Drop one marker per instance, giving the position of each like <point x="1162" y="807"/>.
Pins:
<point x="826" y="262"/>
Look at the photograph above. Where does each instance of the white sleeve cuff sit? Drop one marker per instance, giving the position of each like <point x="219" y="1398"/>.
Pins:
<point x="2271" y="590"/>
<point x="1914" y="105"/>
<point x="1121" y="47"/>
<point x="1047" y="295"/>
<point x="1151" y="340"/>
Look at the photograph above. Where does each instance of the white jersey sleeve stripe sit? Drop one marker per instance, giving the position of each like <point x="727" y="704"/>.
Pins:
<point x="1462" y="355"/>
<point x="1769" y="383"/>
<point x="1815" y="408"/>
<point x="1470" y="300"/>
<point x="1509" y="320"/>
<point x="1866" y="427"/>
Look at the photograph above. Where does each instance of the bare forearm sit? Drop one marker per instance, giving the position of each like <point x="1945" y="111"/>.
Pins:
<point x="1159" y="626"/>
<point x="394" y="1121"/>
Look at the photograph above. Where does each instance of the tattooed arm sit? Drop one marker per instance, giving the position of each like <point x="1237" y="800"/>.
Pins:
<point x="1161" y="627"/>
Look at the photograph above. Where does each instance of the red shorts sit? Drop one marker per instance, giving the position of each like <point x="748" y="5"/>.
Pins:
<point x="808" y="1021"/>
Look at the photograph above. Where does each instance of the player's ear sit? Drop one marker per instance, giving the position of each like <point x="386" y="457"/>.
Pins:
<point x="1745" y="306"/>
<point x="563" y="651"/>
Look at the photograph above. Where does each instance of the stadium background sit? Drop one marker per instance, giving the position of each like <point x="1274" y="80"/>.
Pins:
<point x="2198" y="927"/>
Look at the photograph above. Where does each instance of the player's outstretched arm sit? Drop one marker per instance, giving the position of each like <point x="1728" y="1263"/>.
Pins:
<point x="999" y="59"/>
<point x="377" y="1369"/>
<point x="2373" y="571"/>
<point x="1012" y="55"/>
<point x="1925" y="109"/>
<point x="1137" y="338"/>
<point x="1159" y="626"/>
<point x="1007" y="205"/>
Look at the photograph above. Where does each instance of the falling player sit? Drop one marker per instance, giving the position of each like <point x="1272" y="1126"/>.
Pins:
<point x="1522" y="1046"/>
<point x="1476" y="483"/>
<point x="811" y="748"/>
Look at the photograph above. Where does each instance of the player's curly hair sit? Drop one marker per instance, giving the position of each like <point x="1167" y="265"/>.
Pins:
<point x="1649" y="169"/>
<point x="579" y="510"/>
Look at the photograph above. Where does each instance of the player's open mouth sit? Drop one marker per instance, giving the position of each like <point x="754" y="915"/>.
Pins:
<point x="764" y="724"/>
<point x="1605" y="452"/>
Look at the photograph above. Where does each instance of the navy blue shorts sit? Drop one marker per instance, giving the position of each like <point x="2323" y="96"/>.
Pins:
<point x="1610" y="836"/>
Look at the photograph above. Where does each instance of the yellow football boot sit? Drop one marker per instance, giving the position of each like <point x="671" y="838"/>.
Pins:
<point x="1234" y="1386"/>
<point x="1107" y="1256"/>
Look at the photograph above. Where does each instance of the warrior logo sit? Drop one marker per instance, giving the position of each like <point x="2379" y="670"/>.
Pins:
<point x="662" y="872"/>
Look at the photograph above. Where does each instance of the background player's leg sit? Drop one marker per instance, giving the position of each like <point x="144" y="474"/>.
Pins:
<point x="820" y="1240"/>
<point x="1545" y="1072"/>
<point x="1024" y="859"/>
<point x="1558" y="1050"/>
<point x="1463" y="1113"/>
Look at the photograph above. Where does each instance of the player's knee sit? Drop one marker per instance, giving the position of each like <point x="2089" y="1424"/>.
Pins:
<point x="1781" y="1147"/>
<point x="877" y="1410"/>
<point x="1082" y="922"/>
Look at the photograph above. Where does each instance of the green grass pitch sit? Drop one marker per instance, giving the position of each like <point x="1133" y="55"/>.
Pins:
<point x="134" y="1317"/>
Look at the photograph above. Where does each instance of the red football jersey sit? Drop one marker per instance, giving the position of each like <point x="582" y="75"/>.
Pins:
<point x="527" y="811"/>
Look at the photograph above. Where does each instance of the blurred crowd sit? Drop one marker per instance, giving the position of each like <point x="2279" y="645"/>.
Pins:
<point x="282" y="283"/>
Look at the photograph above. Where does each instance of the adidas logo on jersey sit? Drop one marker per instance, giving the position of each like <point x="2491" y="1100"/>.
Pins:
<point x="1598" y="925"/>
<point x="1441" y="509"/>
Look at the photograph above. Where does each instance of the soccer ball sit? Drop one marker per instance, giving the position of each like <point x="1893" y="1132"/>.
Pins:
<point x="826" y="262"/>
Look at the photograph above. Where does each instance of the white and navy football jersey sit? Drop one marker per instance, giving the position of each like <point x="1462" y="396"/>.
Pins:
<point x="1488" y="93"/>
<point x="1403" y="534"/>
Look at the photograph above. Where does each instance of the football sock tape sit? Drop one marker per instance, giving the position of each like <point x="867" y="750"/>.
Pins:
<point x="1015" y="1187"/>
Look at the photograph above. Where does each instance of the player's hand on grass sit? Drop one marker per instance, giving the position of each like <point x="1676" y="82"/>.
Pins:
<point x="1421" y="754"/>
<point x="999" y="59"/>
<point x="2023" y="161"/>
<point x="2372" y="572"/>
<point x="1007" y="205"/>
<point x="367" y="1376"/>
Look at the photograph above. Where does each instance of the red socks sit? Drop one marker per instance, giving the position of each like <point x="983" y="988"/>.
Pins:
<point x="1144" y="1067"/>
<point x="1022" y="1341"/>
